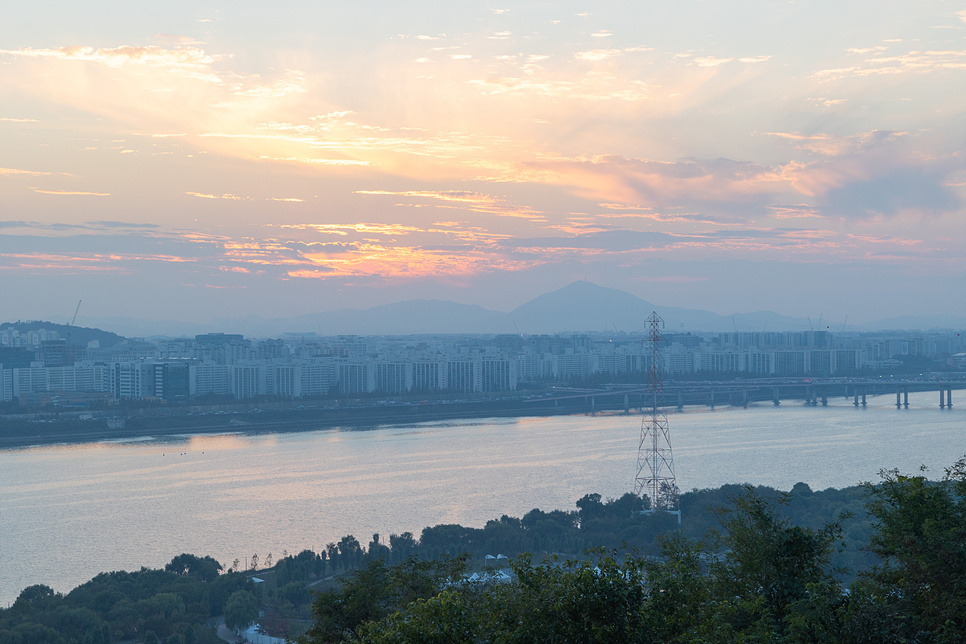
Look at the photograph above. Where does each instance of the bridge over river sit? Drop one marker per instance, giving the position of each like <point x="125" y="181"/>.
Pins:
<point x="812" y="391"/>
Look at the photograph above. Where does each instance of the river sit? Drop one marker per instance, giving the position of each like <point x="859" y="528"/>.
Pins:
<point x="70" y="511"/>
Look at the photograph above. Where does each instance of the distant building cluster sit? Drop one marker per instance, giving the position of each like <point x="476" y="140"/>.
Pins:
<point x="39" y="367"/>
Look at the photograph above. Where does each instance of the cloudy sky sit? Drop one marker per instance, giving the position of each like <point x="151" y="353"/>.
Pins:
<point x="194" y="160"/>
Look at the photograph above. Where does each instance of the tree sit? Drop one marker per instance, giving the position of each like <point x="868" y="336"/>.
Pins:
<point x="769" y="566"/>
<point x="255" y="561"/>
<point x="333" y="551"/>
<point x="443" y="619"/>
<point x="668" y="497"/>
<point x="401" y="546"/>
<point x="598" y="601"/>
<point x="34" y="634"/>
<point x="206" y="568"/>
<point x="595" y="600"/>
<point x="920" y="534"/>
<point x="241" y="611"/>
<point x="350" y="551"/>
<point x="34" y="598"/>
<point x="377" y="550"/>
<point x="590" y="508"/>
<point x="376" y="591"/>
<point x="320" y="571"/>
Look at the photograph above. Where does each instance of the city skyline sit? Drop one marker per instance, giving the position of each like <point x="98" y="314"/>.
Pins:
<point x="206" y="160"/>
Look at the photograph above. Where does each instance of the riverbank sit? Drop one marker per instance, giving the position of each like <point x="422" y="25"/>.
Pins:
<point x="25" y="433"/>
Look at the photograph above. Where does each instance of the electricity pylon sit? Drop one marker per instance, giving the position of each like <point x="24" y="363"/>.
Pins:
<point x="655" y="463"/>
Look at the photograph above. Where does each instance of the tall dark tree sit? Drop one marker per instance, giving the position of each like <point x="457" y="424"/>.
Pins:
<point x="920" y="534"/>
<point x="377" y="549"/>
<point x="350" y="552"/>
<point x="206" y="568"/>
<point x="769" y="564"/>
<point x="241" y="610"/>
<point x="332" y="550"/>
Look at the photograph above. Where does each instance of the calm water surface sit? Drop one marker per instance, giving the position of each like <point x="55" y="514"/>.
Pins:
<point x="68" y="512"/>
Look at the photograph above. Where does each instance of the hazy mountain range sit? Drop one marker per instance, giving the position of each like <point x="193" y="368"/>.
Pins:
<point x="580" y="306"/>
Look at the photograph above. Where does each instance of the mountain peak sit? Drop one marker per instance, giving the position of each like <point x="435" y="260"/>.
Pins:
<point x="581" y="306"/>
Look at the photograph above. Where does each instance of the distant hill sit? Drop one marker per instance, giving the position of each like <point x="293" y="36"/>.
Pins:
<point x="580" y="306"/>
<point x="584" y="306"/>
<point x="577" y="307"/>
<point x="79" y="335"/>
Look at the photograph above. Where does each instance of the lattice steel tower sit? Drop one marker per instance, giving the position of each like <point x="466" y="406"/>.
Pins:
<point x="655" y="463"/>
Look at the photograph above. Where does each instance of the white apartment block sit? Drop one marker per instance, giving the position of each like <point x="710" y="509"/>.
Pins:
<point x="208" y="378"/>
<point x="80" y="377"/>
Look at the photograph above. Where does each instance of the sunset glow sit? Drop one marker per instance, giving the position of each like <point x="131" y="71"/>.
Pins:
<point x="731" y="157"/>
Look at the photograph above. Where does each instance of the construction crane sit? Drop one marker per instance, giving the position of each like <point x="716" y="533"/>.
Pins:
<point x="70" y="327"/>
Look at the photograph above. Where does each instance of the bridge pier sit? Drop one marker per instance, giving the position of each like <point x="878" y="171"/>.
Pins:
<point x="824" y="400"/>
<point x="680" y="401"/>
<point x="863" y="397"/>
<point x="898" y="399"/>
<point x="856" y="401"/>
<point x="712" y="400"/>
<point x="776" y="399"/>
<point x="949" y="398"/>
<point x="942" y="399"/>
<point x="627" y="403"/>
<point x="744" y="399"/>
<point x="905" y="397"/>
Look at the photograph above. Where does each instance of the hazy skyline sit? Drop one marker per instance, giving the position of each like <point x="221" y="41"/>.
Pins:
<point x="196" y="160"/>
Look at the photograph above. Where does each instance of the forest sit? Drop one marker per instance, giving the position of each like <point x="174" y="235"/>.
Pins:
<point x="884" y="561"/>
<point x="174" y="605"/>
<point x="756" y="576"/>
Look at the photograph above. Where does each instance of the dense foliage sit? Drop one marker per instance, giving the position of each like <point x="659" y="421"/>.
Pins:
<point x="173" y="605"/>
<point x="759" y="577"/>
<point x="596" y="522"/>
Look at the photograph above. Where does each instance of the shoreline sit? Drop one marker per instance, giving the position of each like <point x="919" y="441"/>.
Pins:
<point x="19" y="433"/>
<point x="298" y="420"/>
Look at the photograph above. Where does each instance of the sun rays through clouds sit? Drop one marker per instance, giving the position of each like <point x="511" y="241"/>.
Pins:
<point x="482" y="143"/>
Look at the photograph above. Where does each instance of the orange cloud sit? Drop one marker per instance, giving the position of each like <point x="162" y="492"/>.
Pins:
<point x="207" y="196"/>
<point x="344" y="229"/>
<point x="93" y="262"/>
<point x="472" y="201"/>
<point x="70" y="192"/>
<point x="403" y="261"/>
<point x="31" y="173"/>
<point x="189" y="61"/>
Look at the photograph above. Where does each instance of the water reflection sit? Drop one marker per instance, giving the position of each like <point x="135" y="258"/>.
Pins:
<point x="71" y="511"/>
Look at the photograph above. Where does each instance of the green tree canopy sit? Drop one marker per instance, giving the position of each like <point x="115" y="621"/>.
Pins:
<point x="206" y="568"/>
<point x="920" y="534"/>
<point x="241" y="610"/>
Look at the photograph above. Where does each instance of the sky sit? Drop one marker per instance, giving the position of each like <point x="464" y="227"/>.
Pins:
<point x="197" y="160"/>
